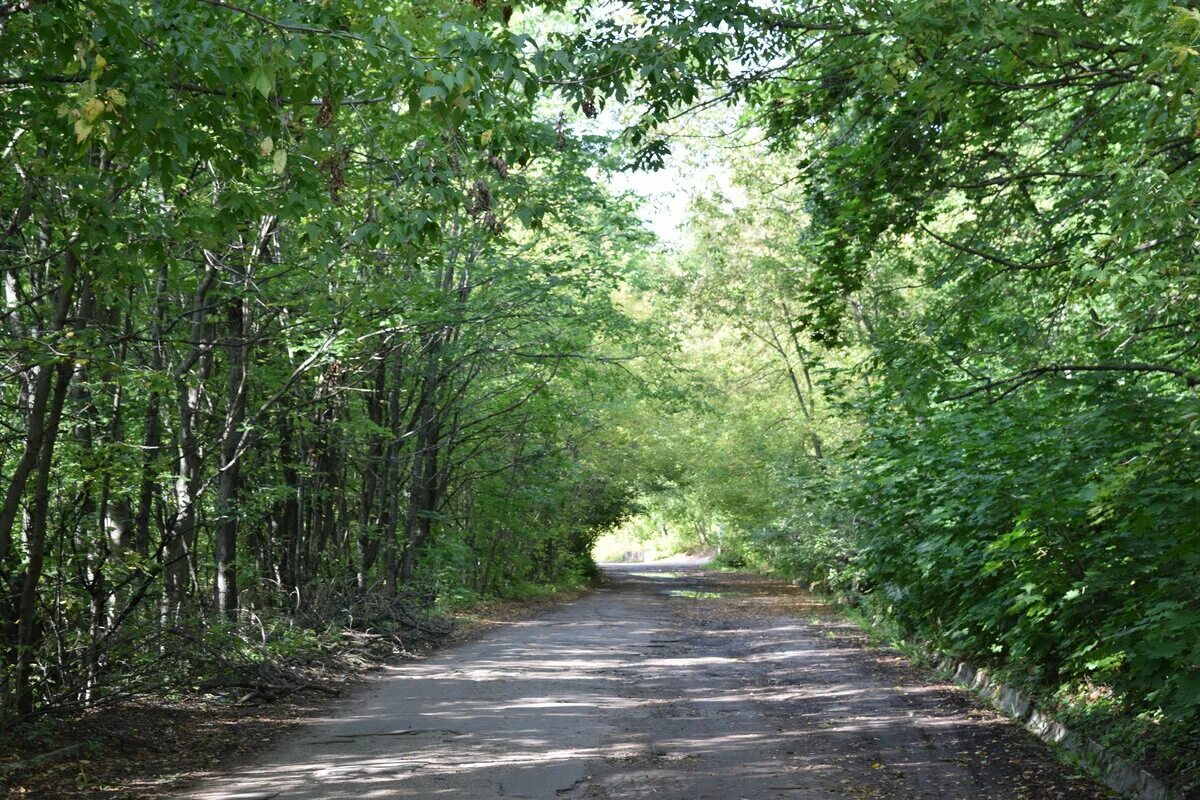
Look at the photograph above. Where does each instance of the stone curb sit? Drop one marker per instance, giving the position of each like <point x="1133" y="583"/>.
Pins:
<point x="1117" y="773"/>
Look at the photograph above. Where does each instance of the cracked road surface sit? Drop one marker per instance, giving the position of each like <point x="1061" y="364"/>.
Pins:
<point x="670" y="683"/>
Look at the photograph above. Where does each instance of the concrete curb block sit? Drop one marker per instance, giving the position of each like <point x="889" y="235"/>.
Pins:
<point x="1117" y="773"/>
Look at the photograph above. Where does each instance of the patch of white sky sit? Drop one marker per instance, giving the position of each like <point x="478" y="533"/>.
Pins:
<point x="697" y="165"/>
<point x="694" y="168"/>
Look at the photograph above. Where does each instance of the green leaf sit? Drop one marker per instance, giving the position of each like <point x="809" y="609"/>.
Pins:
<point x="261" y="80"/>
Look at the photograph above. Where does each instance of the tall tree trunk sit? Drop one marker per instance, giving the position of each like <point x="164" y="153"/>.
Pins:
<point x="148" y="488"/>
<point x="288" y="508"/>
<point x="177" y="566"/>
<point x="392" y="482"/>
<point x="36" y="427"/>
<point x="422" y="500"/>
<point x="36" y="546"/>
<point x="20" y="592"/>
<point x="373" y="471"/>
<point x="225" y="588"/>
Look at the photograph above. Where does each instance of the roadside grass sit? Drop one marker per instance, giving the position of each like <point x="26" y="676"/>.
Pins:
<point x="519" y="601"/>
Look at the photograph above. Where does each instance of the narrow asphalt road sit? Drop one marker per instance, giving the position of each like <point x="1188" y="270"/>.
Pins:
<point x="670" y="683"/>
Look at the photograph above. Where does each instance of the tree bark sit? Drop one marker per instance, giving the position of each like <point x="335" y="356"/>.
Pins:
<point x="225" y="588"/>
<point x="36" y="545"/>
<point x="178" y="550"/>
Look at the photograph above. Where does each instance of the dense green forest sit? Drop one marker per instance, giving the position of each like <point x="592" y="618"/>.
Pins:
<point x="313" y="306"/>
